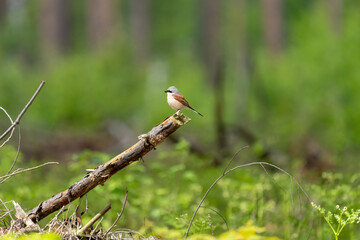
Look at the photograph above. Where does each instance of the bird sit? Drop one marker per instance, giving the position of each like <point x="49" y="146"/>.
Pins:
<point x="177" y="101"/>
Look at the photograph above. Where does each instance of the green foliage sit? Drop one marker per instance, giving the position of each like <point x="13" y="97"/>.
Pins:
<point x="33" y="236"/>
<point x="316" y="72"/>
<point x="338" y="221"/>
<point x="165" y="190"/>
<point x="340" y="190"/>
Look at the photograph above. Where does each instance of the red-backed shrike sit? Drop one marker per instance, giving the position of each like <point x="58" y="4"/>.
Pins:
<point x="177" y="101"/>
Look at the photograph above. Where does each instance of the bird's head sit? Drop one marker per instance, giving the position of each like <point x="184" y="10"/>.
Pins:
<point x="172" y="89"/>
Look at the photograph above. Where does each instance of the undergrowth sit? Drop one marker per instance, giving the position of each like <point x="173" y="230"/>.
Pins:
<point x="165" y="189"/>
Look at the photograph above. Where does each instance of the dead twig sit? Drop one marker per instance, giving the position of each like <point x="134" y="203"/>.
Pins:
<point x="96" y="227"/>
<point x="12" y="131"/>
<point x="5" y="177"/>
<point x="8" y="211"/>
<point x="17" y="120"/>
<point x="8" y="139"/>
<point x="93" y="220"/>
<point x="119" y="215"/>
<point x="17" y="152"/>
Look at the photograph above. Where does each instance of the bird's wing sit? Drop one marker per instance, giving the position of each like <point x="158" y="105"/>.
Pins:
<point x="180" y="98"/>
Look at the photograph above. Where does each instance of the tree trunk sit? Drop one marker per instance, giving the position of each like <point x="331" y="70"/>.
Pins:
<point x="273" y="25"/>
<point x="237" y="54"/>
<point x="214" y="67"/>
<point x="140" y="28"/>
<point x="211" y="35"/>
<point x="101" y="21"/>
<point x="54" y="27"/>
<point x="335" y="9"/>
<point x="3" y="11"/>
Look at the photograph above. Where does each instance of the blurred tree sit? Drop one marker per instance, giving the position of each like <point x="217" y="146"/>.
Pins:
<point x="273" y="24"/>
<point x="238" y="52"/>
<point x="3" y="10"/>
<point x="211" y="35"/>
<point x="214" y="67"/>
<point x="335" y="8"/>
<point x="54" y="27"/>
<point x="140" y="28"/>
<point x="101" y="21"/>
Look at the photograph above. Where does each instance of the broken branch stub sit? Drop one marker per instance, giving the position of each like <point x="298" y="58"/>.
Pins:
<point x="103" y="172"/>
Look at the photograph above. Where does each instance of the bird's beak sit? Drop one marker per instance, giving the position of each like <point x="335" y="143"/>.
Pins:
<point x="166" y="91"/>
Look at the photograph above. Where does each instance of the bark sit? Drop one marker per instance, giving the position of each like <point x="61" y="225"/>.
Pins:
<point x="103" y="172"/>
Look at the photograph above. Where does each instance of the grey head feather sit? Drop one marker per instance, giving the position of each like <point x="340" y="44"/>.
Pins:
<point x="173" y="89"/>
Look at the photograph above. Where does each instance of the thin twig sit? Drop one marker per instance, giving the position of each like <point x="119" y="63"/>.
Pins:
<point x="53" y="219"/>
<point x="232" y="169"/>
<point x="17" y="152"/>
<point x="218" y="213"/>
<point x="272" y="178"/>
<point x="97" y="225"/>
<point x="119" y="215"/>
<point x="6" y="209"/>
<point x="17" y="121"/>
<point x="12" y="131"/>
<point x="233" y="157"/>
<point x="94" y="219"/>
<point x="5" y="177"/>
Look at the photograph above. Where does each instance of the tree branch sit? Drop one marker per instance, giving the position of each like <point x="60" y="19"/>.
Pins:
<point x="94" y="219"/>
<point x="17" y="121"/>
<point x="103" y="172"/>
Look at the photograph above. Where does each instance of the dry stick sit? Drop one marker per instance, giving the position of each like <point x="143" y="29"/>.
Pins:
<point x="119" y="216"/>
<point x="94" y="219"/>
<point x="233" y="157"/>
<point x="232" y="169"/>
<point x="5" y="177"/>
<point x="97" y="225"/>
<point x="103" y="172"/>
<point x="17" y="152"/>
<point x="8" y="139"/>
<point x="12" y="131"/>
<point x="6" y="209"/>
<point x="17" y="121"/>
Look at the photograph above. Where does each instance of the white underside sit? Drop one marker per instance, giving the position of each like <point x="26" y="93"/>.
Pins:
<point x="174" y="104"/>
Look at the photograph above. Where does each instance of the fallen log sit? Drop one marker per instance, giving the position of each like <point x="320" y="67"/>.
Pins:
<point x="103" y="172"/>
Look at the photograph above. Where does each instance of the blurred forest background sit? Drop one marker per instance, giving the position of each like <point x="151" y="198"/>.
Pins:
<point x="280" y="76"/>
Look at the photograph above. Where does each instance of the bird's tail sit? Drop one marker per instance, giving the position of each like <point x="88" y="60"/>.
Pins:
<point x="195" y="111"/>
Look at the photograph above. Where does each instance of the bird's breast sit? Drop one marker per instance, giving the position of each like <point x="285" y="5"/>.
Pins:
<point x="173" y="103"/>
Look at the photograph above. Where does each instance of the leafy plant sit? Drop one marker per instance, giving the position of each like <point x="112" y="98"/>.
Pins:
<point x="338" y="221"/>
